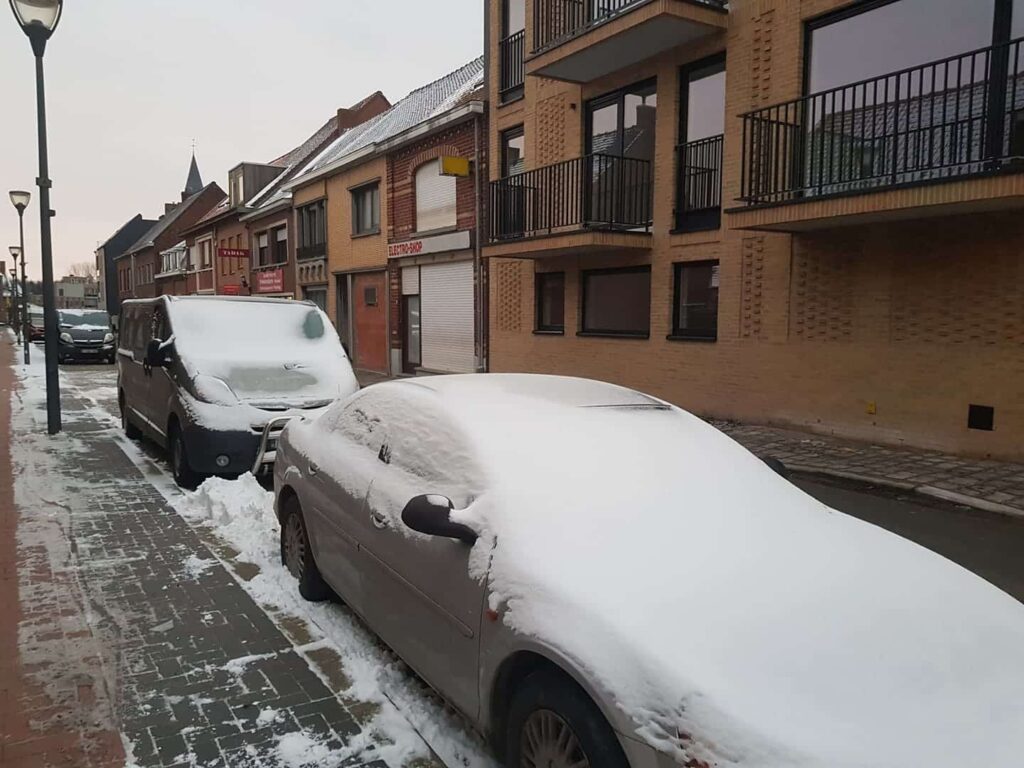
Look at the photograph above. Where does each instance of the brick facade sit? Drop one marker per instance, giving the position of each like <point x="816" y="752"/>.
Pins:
<point x="883" y="330"/>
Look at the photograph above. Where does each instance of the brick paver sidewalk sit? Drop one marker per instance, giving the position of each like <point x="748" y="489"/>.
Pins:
<point x="991" y="485"/>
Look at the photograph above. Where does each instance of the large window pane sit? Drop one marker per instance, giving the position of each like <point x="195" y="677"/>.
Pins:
<point x="896" y="36"/>
<point x="435" y="198"/>
<point x="696" y="301"/>
<point x="513" y="151"/>
<point x="617" y="301"/>
<point x="705" y="102"/>
<point x="550" y="301"/>
<point x="604" y="130"/>
<point x="1018" y="19"/>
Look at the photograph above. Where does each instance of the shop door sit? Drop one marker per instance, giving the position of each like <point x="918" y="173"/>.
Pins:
<point x="370" y="321"/>
<point x="447" y="318"/>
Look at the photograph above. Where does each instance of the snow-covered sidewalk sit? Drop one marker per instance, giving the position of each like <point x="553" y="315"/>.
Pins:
<point x="207" y="655"/>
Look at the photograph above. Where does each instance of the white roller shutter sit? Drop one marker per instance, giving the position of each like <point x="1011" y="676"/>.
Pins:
<point x="435" y="198"/>
<point x="446" y="301"/>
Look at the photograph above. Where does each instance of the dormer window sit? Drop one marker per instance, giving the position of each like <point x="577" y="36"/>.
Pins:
<point x="237" y="190"/>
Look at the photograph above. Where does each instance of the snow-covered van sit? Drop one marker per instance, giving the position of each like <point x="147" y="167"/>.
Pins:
<point x="214" y="379"/>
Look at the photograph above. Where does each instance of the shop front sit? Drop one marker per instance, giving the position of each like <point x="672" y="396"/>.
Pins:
<point x="436" y="308"/>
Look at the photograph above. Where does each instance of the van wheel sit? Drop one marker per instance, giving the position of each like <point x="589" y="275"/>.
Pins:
<point x="130" y="430"/>
<point x="553" y="723"/>
<point x="297" y="554"/>
<point x="184" y="475"/>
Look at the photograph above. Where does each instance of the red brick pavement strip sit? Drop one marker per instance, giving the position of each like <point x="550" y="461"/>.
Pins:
<point x="53" y="724"/>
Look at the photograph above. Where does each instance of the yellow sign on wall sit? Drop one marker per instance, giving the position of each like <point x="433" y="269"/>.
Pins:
<point x="454" y="166"/>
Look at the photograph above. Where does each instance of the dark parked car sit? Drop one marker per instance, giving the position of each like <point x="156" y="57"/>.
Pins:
<point x="85" y="334"/>
<point x="35" y="323"/>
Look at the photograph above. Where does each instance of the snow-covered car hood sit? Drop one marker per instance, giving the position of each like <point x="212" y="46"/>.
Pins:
<point x="733" y="618"/>
<point x="277" y="384"/>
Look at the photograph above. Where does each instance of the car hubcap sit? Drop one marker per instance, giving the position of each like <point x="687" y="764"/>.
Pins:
<point x="294" y="546"/>
<point x="549" y="742"/>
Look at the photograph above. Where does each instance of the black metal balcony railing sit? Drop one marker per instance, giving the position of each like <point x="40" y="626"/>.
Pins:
<point x="556" y="20"/>
<point x="956" y="117"/>
<point x="511" y="51"/>
<point x="595" y="191"/>
<point x="315" y="251"/>
<point x="699" y="180"/>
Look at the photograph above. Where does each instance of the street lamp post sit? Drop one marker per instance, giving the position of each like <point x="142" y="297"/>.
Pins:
<point x="13" y="313"/>
<point x="21" y="201"/>
<point x="38" y="20"/>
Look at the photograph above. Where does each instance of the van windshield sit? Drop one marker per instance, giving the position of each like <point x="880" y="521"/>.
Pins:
<point x="84" y="318"/>
<point x="263" y="350"/>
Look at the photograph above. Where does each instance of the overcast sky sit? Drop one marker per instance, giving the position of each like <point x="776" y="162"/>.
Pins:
<point x="131" y="84"/>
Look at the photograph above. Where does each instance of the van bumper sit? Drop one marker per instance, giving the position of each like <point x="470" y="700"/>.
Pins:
<point x="236" y="450"/>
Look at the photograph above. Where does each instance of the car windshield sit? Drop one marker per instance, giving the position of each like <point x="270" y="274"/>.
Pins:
<point x="80" y="318"/>
<point x="260" y="348"/>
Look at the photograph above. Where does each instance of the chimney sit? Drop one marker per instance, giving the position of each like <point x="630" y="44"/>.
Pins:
<point x="362" y="111"/>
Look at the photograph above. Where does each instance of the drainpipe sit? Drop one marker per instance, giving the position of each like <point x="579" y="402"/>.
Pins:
<point x="481" y="360"/>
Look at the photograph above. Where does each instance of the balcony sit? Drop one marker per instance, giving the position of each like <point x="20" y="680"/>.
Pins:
<point x="315" y="251"/>
<point x="874" y="150"/>
<point x="699" y="179"/>
<point x="511" y="52"/>
<point x="590" y="203"/>
<point x="582" y="40"/>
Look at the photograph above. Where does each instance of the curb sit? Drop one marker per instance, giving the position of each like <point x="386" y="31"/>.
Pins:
<point x="924" y="490"/>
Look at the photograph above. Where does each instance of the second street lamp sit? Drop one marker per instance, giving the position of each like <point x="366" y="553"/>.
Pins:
<point x="21" y="200"/>
<point x="14" y="312"/>
<point x="38" y="20"/>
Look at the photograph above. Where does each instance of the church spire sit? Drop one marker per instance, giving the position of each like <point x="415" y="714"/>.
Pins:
<point x="195" y="181"/>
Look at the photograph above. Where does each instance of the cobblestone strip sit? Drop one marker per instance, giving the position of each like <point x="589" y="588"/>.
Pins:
<point x="992" y="485"/>
<point x="199" y="675"/>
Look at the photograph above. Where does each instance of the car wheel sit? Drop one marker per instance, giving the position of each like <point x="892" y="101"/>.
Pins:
<point x="184" y="475"/>
<point x="130" y="430"/>
<point x="553" y="723"/>
<point x="297" y="555"/>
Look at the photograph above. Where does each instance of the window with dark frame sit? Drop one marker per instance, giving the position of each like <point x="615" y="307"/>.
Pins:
<point x="616" y="302"/>
<point x="695" y="302"/>
<point x="699" y="151"/>
<point x="312" y="242"/>
<point x="366" y="209"/>
<point x="279" y="245"/>
<point x="550" y="287"/>
<point x="513" y="151"/>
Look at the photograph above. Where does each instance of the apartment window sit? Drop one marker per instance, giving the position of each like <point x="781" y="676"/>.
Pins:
<point x="263" y="249"/>
<point x="312" y="230"/>
<point x="279" y="245"/>
<point x="435" y="198"/>
<point x="695" y="306"/>
<point x="511" y="49"/>
<point x="205" y="254"/>
<point x="550" y="302"/>
<point x="876" y="39"/>
<point x="513" y="151"/>
<point x="366" y="209"/>
<point x="699" y="152"/>
<point x="617" y="302"/>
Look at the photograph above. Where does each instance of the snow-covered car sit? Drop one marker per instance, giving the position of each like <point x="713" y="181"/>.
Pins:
<point x="214" y="379"/>
<point x="597" y="578"/>
<point x="85" y="334"/>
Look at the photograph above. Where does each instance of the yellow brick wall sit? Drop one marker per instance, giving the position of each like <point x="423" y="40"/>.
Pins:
<point x="919" y="318"/>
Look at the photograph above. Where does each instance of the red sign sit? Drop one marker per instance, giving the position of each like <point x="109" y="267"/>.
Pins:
<point x="270" y="281"/>
<point x="231" y="290"/>
<point x="410" y="248"/>
<point x="233" y="253"/>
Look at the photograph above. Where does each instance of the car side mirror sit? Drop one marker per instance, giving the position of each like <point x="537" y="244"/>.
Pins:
<point x="430" y="514"/>
<point x="156" y="354"/>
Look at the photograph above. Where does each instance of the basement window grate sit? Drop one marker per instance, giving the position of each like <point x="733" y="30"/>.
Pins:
<point x="981" y="417"/>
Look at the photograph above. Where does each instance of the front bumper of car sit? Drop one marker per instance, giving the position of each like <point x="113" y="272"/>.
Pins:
<point x="219" y="452"/>
<point x="87" y="350"/>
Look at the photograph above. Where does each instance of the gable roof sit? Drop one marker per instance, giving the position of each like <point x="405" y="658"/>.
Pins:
<point x="425" y="102"/>
<point x="136" y="218"/>
<point x="165" y="222"/>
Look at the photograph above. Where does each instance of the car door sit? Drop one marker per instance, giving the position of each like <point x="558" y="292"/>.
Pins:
<point x="338" y="472"/>
<point x="420" y="597"/>
<point x="160" y="380"/>
<point x="133" y="373"/>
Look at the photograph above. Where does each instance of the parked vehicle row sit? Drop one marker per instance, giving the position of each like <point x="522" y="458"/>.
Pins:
<point x="593" y="577"/>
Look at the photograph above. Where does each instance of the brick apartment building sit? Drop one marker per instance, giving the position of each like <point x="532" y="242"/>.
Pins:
<point x="801" y="212"/>
<point x="343" y="227"/>
<point x="139" y="265"/>
<point x="270" y="217"/>
<point x="106" y="260"/>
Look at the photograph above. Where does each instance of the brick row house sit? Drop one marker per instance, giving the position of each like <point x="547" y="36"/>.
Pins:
<point x="799" y="212"/>
<point x="386" y="219"/>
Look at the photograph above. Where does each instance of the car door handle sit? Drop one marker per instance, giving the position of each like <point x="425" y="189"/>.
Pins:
<point x="312" y="469"/>
<point x="378" y="520"/>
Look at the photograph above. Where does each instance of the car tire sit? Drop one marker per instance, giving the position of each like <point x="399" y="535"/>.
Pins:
<point x="184" y="475"/>
<point x="297" y="554"/>
<point x="130" y="430"/>
<point x="545" y="704"/>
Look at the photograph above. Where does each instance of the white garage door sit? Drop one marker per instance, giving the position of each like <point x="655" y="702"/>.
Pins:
<point x="446" y="299"/>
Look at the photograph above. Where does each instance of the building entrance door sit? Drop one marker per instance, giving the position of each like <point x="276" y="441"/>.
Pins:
<point x="370" y="321"/>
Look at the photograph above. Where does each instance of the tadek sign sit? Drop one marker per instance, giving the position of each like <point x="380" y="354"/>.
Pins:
<point x="233" y="253"/>
<point x="453" y="241"/>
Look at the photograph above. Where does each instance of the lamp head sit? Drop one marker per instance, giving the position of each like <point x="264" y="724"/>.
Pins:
<point x="20" y="199"/>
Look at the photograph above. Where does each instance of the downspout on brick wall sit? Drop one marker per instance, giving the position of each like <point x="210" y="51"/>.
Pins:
<point x="479" y="316"/>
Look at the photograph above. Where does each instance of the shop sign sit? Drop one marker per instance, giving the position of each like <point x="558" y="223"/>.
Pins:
<point x="233" y="253"/>
<point x="270" y="281"/>
<point x="452" y="241"/>
<point x="231" y="290"/>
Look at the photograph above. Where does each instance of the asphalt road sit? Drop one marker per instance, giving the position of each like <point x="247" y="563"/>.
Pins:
<point x="991" y="545"/>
